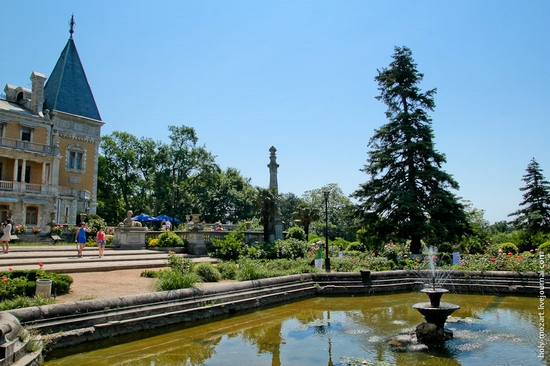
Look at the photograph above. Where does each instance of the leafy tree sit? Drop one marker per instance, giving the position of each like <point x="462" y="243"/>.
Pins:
<point x="500" y="227"/>
<point x="186" y="170"/>
<point x="477" y="239"/>
<point x="121" y="163"/>
<point x="230" y="197"/>
<point x="109" y="204"/>
<point x="534" y="216"/>
<point x="408" y="192"/>
<point x="289" y="204"/>
<point x="305" y="215"/>
<point x="340" y="212"/>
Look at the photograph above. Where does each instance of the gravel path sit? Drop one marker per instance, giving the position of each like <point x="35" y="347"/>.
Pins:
<point x="101" y="285"/>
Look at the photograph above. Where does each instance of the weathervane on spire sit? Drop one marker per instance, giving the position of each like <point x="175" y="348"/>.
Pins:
<point x="72" y="23"/>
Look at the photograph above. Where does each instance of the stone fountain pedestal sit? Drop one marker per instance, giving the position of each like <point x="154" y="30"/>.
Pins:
<point x="435" y="313"/>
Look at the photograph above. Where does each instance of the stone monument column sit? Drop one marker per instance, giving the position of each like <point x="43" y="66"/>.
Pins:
<point x="277" y="223"/>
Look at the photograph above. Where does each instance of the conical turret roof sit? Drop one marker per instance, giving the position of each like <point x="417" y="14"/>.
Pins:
<point x="67" y="89"/>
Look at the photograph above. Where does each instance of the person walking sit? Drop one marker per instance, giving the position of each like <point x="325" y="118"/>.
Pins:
<point x="80" y="237"/>
<point x="319" y="255"/>
<point x="100" y="239"/>
<point x="6" y="237"/>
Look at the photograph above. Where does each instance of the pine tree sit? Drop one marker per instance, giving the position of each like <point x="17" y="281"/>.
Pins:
<point x="535" y="214"/>
<point x="407" y="196"/>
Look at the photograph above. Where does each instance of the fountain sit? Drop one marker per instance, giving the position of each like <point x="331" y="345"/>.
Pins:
<point x="435" y="312"/>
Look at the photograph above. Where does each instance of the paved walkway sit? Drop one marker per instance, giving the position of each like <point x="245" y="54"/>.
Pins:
<point x="63" y="258"/>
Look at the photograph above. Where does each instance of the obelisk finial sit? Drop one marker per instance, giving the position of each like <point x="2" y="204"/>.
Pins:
<point x="72" y="23"/>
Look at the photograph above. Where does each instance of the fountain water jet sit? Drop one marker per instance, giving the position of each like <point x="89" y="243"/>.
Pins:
<point x="435" y="312"/>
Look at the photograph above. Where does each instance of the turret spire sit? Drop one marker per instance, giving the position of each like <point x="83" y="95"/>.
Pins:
<point x="72" y="23"/>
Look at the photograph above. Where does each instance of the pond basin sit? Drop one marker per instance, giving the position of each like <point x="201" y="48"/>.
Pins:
<point x="492" y="330"/>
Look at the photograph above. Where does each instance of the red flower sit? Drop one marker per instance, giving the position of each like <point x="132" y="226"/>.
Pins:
<point x="10" y="269"/>
<point x="510" y="254"/>
<point x="532" y="251"/>
<point x="40" y="264"/>
<point x="5" y="279"/>
<point x="494" y="259"/>
<point x="374" y="254"/>
<point x="518" y="258"/>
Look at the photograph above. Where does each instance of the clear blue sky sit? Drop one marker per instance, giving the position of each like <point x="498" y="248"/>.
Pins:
<point x="299" y="75"/>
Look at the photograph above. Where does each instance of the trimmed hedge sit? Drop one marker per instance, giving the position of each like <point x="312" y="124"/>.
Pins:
<point x="23" y="283"/>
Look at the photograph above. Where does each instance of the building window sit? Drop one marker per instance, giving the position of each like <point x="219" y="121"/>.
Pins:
<point x="76" y="158"/>
<point x="32" y="215"/>
<point x="4" y="212"/>
<point x="26" y="134"/>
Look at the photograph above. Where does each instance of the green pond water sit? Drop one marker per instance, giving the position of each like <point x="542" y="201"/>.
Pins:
<point x="321" y="330"/>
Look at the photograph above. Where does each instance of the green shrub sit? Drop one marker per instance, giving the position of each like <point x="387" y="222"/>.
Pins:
<point x="380" y="264"/>
<point x="23" y="282"/>
<point x="179" y="263"/>
<point x="94" y="222"/>
<point x="149" y="274"/>
<point x="153" y="242"/>
<point x="391" y="252"/>
<point x="170" y="239"/>
<point x="296" y="232"/>
<point x="336" y="242"/>
<point x="507" y="248"/>
<point x="24" y="302"/>
<point x="445" y="247"/>
<point x="208" y="272"/>
<point x="230" y="247"/>
<point x="545" y="247"/>
<point x="312" y="238"/>
<point x="357" y="247"/>
<point x="290" y="248"/>
<point x="251" y="270"/>
<point x="168" y="280"/>
<point x="227" y="269"/>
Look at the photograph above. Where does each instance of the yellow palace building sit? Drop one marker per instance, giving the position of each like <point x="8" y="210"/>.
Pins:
<point x="49" y="146"/>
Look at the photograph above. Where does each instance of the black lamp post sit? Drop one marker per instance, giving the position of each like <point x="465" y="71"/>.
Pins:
<point x="327" y="259"/>
<point x="174" y="198"/>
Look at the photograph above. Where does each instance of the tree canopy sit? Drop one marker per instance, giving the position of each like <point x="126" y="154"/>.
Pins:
<point x="408" y="195"/>
<point x="178" y="178"/>
<point x="534" y="216"/>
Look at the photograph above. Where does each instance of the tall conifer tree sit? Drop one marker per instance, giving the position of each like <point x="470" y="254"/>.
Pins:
<point x="408" y="195"/>
<point x="535" y="214"/>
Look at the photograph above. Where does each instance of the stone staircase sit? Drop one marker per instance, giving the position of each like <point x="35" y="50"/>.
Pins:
<point x="64" y="259"/>
<point x="66" y="325"/>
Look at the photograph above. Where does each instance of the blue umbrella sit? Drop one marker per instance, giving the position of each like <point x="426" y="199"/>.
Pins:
<point x="144" y="218"/>
<point x="166" y="218"/>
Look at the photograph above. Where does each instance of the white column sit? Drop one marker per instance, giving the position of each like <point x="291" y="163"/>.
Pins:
<point x="15" y="167"/>
<point x="44" y="165"/>
<point x="23" y="171"/>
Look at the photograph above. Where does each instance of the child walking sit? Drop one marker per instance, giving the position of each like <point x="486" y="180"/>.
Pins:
<point x="100" y="238"/>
